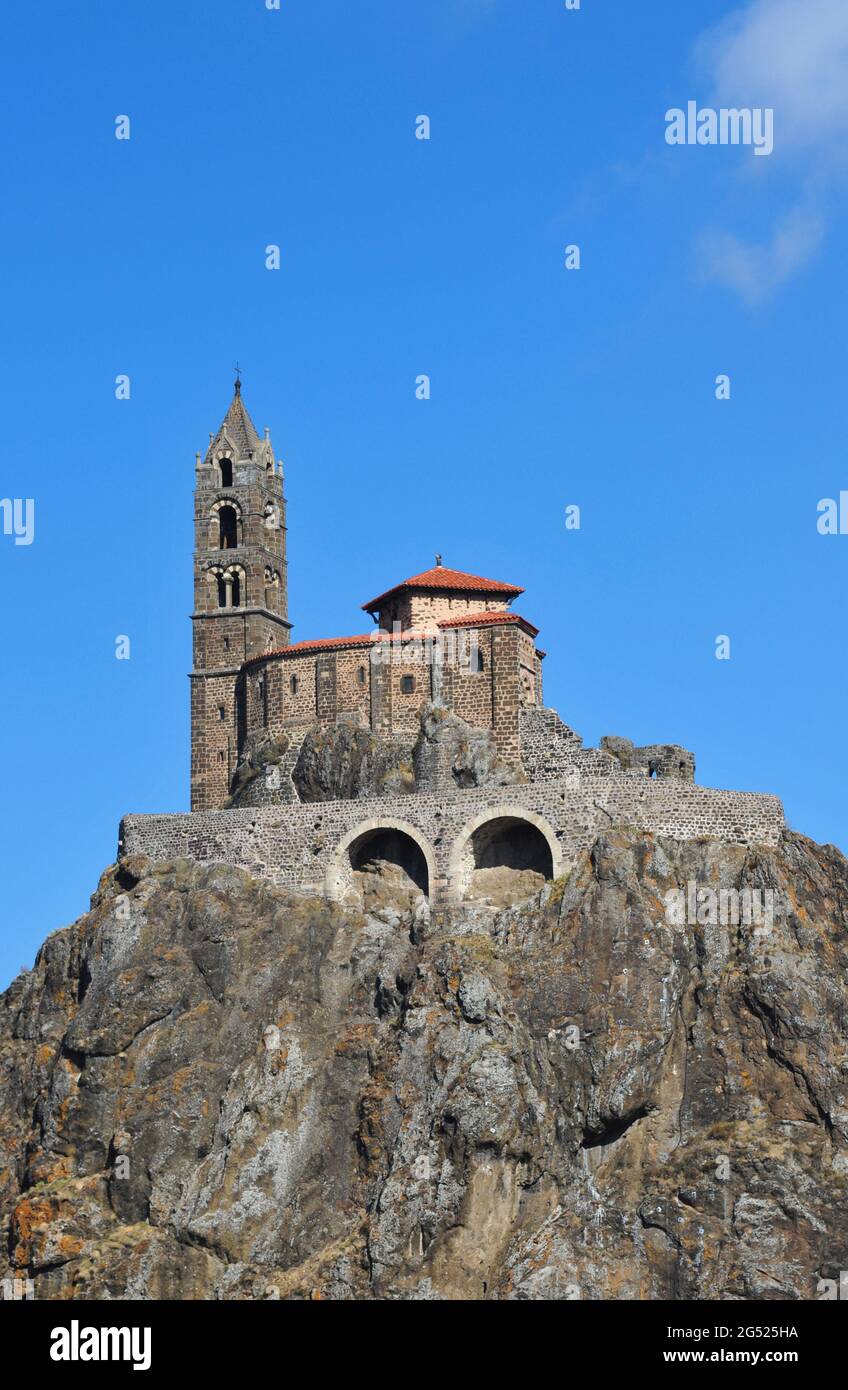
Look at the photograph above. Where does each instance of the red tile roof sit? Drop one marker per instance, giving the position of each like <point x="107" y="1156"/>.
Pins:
<point x="479" y="619"/>
<point x="440" y="577"/>
<point x="315" y="644"/>
<point x="367" y="639"/>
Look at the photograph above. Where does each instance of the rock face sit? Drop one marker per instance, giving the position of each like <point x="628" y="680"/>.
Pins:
<point x="212" y="1090"/>
<point x="262" y="754"/>
<point x="348" y="761"/>
<point x="451" y="753"/>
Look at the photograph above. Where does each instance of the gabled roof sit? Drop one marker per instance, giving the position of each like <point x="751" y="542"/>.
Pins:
<point x="440" y="577"/>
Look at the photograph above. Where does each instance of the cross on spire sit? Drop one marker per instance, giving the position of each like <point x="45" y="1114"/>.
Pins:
<point x="238" y="379"/>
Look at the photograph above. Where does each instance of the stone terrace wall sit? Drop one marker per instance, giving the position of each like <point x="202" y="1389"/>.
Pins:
<point x="303" y="847"/>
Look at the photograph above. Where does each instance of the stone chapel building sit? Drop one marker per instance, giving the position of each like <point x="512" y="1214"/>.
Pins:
<point x="416" y="755"/>
<point x="247" y="675"/>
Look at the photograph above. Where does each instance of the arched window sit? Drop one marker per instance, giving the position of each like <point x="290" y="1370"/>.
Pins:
<point x="293" y="685"/>
<point x="228" y="528"/>
<point x="222" y="592"/>
<point x="236" y="587"/>
<point x="360" y="675"/>
<point x="226" y="466"/>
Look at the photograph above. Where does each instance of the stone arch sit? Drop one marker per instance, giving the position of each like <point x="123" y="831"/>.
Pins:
<point x="226" y="507"/>
<point x="226" y="587"/>
<point x="235" y="579"/>
<point x="215" y="591"/>
<point x="469" y="850"/>
<point x="339" y="882"/>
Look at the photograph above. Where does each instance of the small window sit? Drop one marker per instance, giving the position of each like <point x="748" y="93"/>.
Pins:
<point x="477" y="661"/>
<point x="293" y="684"/>
<point x="226" y="472"/>
<point x="360" y="675"/>
<point x="226" y="644"/>
<point x="221" y="756"/>
<point x="222" y="712"/>
<point x="407" y="685"/>
<point x="236" y="588"/>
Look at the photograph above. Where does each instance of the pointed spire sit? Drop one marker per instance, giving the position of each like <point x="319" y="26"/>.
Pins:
<point x="237" y="425"/>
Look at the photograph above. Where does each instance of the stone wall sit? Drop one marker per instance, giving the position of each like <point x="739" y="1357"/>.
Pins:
<point x="423" y="611"/>
<point x="319" y="685"/>
<point x="654" y="759"/>
<point x="303" y="847"/>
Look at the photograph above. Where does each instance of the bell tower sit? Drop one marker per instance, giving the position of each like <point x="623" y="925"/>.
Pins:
<point x="240" y="589"/>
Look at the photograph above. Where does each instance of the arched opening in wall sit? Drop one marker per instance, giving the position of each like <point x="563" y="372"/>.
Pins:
<point x="228" y="528"/>
<point x="388" y="868"/>
<point x="226" y="466"/>
<point x="508" y="860"/>
<point x="222" y="591"/>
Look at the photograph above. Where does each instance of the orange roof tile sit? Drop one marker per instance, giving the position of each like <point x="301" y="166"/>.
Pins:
<point x="440" y="577"/>
<point x="479" y="619"/>
<point x="315" y="644"/>
<point x="367" y="639"/>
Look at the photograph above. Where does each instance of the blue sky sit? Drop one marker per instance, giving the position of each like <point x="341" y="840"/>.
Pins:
<point x="400" y="256"/>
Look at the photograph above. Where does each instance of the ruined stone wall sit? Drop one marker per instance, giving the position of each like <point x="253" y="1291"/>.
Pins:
<point x="654" y="759"/>
<point x="302" y="847"/>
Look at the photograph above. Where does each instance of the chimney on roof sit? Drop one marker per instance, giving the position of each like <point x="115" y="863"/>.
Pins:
<point x="438" y="562"/>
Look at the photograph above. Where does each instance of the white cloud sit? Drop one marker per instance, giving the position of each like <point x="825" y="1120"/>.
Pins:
<point x="753" y="271"/>
<point x="791" y="55"/>
<point x="788" y="54"/>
